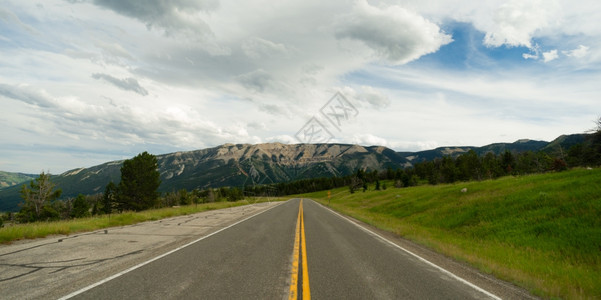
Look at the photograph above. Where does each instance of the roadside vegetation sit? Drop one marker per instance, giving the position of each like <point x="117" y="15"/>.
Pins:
<point x="533" y="218"/>
<point x="42" y="229"/>
<point x="542" y="232"/>
<point x="134" y="199"/>
<point x="136" y="191"/>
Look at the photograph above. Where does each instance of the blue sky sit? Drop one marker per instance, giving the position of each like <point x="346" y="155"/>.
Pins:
<point x="83" y="82"/>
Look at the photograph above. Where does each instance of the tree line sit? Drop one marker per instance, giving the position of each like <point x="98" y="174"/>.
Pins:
<point x="136" y="191"/>
<point x="140" y="179"/>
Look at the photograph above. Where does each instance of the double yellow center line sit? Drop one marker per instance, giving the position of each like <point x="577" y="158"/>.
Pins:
<point x="299" y="280"/>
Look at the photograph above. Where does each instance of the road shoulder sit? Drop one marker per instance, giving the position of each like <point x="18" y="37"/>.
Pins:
<point x="55" y="266"/>
<point x="487" y="282"/>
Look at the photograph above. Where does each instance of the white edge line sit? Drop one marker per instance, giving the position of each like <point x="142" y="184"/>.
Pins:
<point x="89" y="287"/>
<point x="417" y="256"/>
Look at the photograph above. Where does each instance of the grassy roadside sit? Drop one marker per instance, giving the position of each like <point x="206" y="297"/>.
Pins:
<point x="43" y="229"/>
<point x="542" y="232"/>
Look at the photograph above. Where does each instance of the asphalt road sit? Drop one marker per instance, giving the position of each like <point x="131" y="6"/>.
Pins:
<point x="254" y="259"/>
<point x="55" y="266"/>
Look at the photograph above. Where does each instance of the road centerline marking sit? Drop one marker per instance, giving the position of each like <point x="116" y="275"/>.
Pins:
<point x="299" y="274"/>
<point x="293" y="294"/>
<point x="306" y="290"/>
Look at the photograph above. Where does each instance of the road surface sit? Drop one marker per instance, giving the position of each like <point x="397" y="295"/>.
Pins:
<point x="298" y="248"/>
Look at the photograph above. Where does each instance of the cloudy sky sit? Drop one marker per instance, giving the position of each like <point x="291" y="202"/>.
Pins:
<point x="83" y="82"/>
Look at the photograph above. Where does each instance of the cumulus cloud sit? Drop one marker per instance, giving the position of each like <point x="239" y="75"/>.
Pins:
<point x="183" y="20"/>
<point x="113" y="50"/>
<point x="127" y="84"/>
<point x="171" y="16"/>
<point x="123" y="123"/>
<point x="273" y="109"/>
<point x="26" y="95"/>
<point x="394" y="33"/>
<point x="579" y="52"/>
<point x="515" y="22"/>
<point x="257" y="80"/>
<point x="286" y="60"/>
<point x="550" y="55"/>
<point x="259" y="48"/>
<point x="374" y="97"/>
<point x="369" y="95"/>
<point x="367" y="139"/>
<point x="284" y="139"/>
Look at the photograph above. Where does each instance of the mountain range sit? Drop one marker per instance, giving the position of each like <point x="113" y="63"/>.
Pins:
<point x="244" y="164"/>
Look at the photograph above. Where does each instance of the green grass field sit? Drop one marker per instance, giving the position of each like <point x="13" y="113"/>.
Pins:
<point x="43" y="229"/>
<point x="542" y="232"/>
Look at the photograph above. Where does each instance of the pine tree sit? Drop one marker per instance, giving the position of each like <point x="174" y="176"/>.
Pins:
<point x="37" y="196"/>
<point x="140" y="180"/>
<point x="81" y="208"/>
<point x="109" y="197"/>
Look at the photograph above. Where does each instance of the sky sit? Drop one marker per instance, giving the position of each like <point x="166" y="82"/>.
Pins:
<point x="83" y="82"/>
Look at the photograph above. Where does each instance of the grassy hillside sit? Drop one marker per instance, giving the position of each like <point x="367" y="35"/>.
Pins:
<point x="542" y="232"/>
<point x="8" y="179"/>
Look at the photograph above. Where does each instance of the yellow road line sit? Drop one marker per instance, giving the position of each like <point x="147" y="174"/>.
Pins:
<point x="299" y="246"/>
<point x="294" y="273"/>
<point x="306" y="291"/>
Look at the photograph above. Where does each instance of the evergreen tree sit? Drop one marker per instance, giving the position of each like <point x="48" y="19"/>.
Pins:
<point x="389" y="173"/>
<point x="490" y="165"/>
<point x="405" y="179"/>
<point x="449" y="170"/>
<point x="507" y="162"/>
<point x="109" y="197"/>
<point x="81" y="208"/>
<point x="38" y="196"/>
<point x="140" y="180"/>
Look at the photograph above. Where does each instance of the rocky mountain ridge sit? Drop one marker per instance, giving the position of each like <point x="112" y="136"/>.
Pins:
<point x="247" y="164"/>
<point x="230" y="165"/>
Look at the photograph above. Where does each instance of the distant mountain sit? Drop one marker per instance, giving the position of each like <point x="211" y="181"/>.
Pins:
<point x="244" y="164"/>
<point x="230" y="165"/>
<point x="8" y="179"/>
<point x="565" y="141"/>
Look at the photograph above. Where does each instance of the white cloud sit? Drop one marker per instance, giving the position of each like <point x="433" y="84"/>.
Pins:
<point x="217" y="72"/>
<point x="517" y="21"/>
<point x="368" y="95"/>
<point x="284" y="139"/>
<point x="367" y="139"/>
<point x="550" y="55"/>
<point x="125" y="123"/>
<point x="394" y="33"/>
<point x="579" y="52"/>
<point x="172" y="16"/>
<point x="376" y="98"/>
<point x="257" y="80"/>
<point x="259" y="48"/>
<point x="128" y="84"/>
<point x="9" y="17"/>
